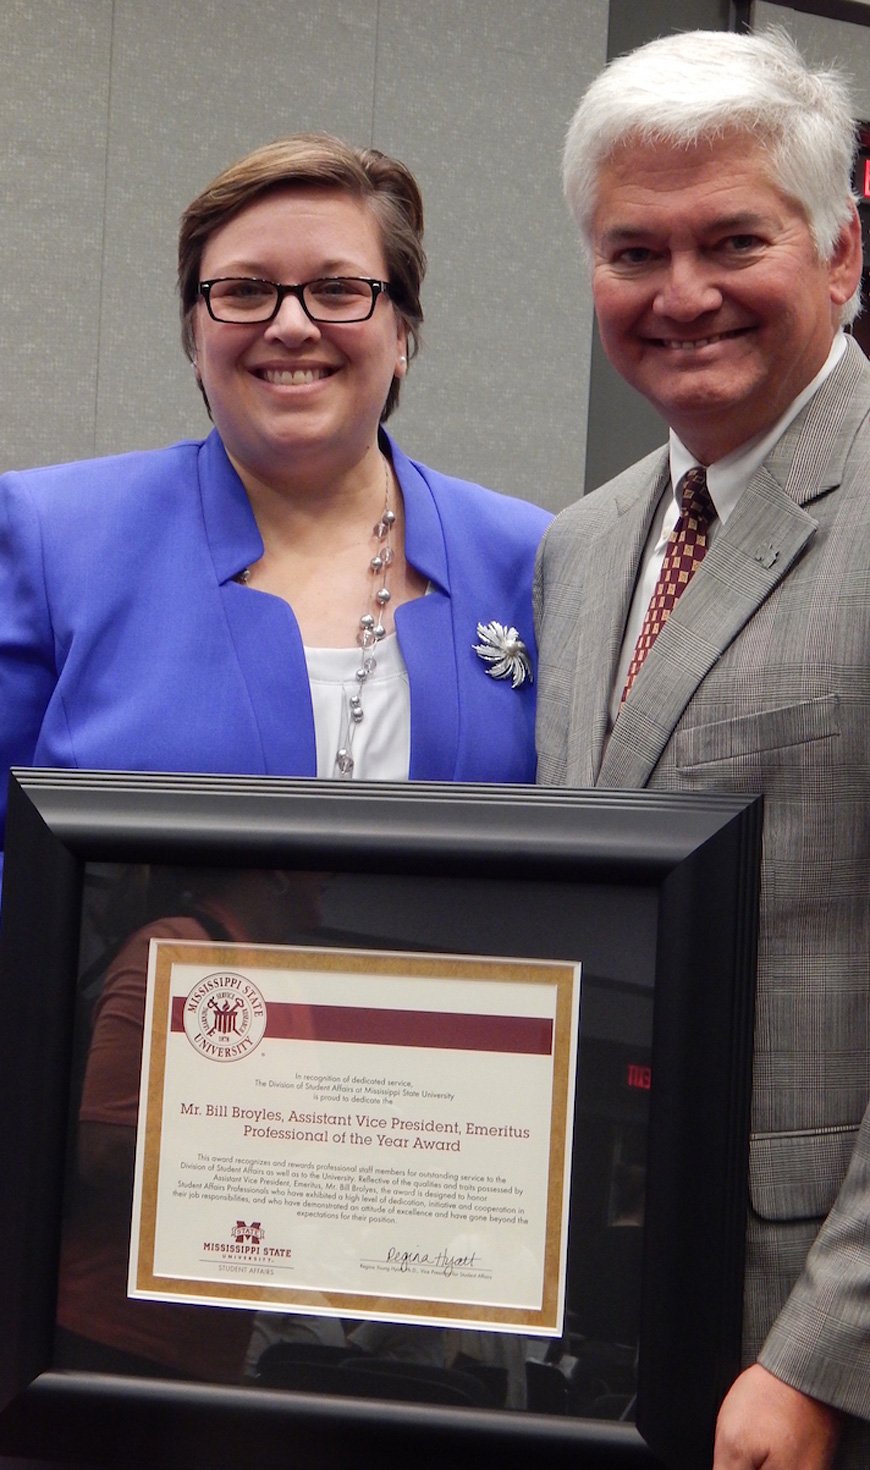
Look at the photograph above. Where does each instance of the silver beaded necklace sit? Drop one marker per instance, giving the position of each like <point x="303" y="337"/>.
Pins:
<point x="370" y="632"/>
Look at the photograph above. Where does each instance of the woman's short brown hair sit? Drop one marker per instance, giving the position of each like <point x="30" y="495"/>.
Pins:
<point x="315" y="160"/>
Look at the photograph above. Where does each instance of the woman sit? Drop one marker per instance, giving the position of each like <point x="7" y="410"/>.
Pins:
<point x="227" y="606"/>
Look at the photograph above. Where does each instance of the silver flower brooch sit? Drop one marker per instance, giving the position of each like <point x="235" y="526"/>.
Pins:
<point x="506" y="653"/>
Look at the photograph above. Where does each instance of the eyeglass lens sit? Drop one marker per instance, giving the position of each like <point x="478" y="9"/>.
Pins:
<point x="334" y="299"/>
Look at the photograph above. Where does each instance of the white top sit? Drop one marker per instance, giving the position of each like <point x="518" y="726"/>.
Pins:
<point x="381" y="745"/>
<point x="726" y="481"/>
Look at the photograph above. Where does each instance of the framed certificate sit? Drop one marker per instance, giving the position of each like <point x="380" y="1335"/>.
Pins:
<point x="305" y="1141"/>
<point x="395" y="1129"/>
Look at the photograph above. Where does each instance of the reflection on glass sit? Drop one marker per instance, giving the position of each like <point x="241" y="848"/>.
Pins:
<point x="589" y="1372"/>
<point x="99" y="1328"/>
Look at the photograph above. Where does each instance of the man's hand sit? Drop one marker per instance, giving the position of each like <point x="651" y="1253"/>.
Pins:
<point x="765" y="1422"/>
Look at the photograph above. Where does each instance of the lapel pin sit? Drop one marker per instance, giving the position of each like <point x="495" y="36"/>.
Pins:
<point x="505" y="651"/>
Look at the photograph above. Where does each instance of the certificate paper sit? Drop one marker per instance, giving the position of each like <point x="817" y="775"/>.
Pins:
<point x="356" y="1133"/>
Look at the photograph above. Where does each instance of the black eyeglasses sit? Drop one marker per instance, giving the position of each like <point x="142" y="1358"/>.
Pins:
<point x="331" y="299"/>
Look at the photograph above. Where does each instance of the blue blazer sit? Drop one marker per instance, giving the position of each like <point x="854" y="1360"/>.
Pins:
<point x="125" y="643"/>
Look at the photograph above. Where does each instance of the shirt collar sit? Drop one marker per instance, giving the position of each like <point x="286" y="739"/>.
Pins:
<point x="728" y="478"/>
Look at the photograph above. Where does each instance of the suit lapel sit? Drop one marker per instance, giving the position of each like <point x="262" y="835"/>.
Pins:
<point x="752" y="553"/>
<point x="810" y="458"/>
<point x="614" y="554"/>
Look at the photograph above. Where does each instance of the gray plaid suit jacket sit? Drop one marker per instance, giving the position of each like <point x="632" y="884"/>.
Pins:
<point x="760" y="682"/>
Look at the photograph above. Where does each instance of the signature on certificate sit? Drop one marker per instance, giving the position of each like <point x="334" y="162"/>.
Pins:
<point x="442" y="1262"/>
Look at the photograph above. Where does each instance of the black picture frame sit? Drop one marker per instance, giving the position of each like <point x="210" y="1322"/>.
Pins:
<point x="691" y="859"/>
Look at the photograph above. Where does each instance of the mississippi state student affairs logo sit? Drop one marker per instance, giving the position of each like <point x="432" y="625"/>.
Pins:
<point x="225" y="1016"/>
<point x="243" y="1234"/>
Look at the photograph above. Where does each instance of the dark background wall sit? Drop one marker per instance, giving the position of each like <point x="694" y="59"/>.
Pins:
<point x="621" y="426"/>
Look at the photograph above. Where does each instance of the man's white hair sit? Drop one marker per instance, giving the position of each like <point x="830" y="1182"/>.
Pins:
<point x="703" y="85"/>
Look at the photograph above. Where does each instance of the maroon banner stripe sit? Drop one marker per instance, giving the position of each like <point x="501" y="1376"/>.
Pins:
<point x="445" y="1030"/>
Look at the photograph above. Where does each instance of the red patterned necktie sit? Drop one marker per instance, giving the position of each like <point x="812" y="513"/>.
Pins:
<point x="683" y="554"/>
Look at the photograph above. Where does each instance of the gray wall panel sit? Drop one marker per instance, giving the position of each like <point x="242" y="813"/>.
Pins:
<point x="53" y="106"/>
<point x="115" y="113"/>
<point x="478" y="107"/>
<point x="193" y="88"/>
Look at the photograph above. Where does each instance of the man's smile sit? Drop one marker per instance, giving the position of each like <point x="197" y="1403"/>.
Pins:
<point x="693" y="344"/>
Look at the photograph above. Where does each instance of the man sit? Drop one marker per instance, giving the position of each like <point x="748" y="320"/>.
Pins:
<point x="710" y="175"/>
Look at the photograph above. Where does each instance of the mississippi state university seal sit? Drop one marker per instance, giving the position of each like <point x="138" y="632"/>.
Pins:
<point x="225" y="1016"/>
